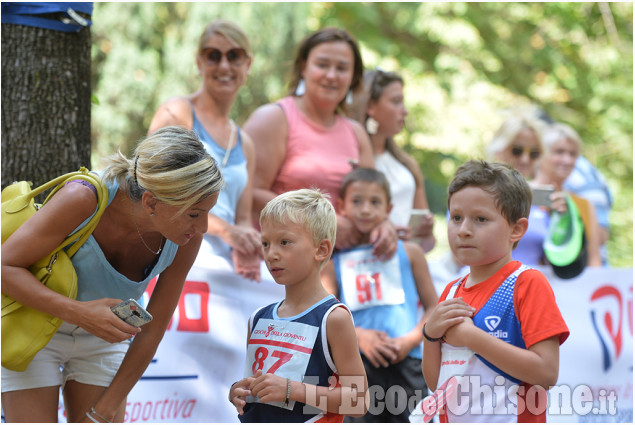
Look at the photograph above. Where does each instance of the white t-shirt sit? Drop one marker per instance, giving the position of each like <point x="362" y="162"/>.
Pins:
<point x="402" y="187"/>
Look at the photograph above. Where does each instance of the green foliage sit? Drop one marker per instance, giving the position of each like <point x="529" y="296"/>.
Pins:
<point x="462" y="62"/>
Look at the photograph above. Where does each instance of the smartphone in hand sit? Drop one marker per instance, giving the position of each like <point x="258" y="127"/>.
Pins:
<point x="132" y="313"/>
<point x="416" y="217"/>
<point x="541" y="195"/>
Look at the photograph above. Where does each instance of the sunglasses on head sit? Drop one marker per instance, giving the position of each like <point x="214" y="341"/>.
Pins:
<point x="518" y="151"/>
<point x="213" y="56"/>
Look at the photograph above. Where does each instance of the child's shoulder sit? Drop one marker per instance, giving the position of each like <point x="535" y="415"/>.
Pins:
<point x="264" y="309"/>
<point x="414" y="251"/>
<point x="339" y="323"/>
<point x="532" y="280"/>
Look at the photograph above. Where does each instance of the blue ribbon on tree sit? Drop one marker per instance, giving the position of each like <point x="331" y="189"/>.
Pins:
<point x="67" y="18"/>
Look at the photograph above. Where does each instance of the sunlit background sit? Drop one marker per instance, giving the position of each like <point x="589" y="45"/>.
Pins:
<point x="463" y="64"/>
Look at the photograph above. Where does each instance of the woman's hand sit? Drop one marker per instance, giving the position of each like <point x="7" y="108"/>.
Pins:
<point x="247" y="266"/>
<point x="347" y="235"/>
<point x="559" y="202"/>
<point x="245" y="239"/>
<point x="424" y="227"/>
<point x="97" y="318"/>
<point x="384" y="240"/>
<point x="403" y="232"/>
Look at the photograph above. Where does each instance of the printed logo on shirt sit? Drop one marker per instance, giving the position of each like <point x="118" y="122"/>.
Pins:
<point x="282" y="348"/>
<point x="492" y="323"/>
<point x="269" y="329"/>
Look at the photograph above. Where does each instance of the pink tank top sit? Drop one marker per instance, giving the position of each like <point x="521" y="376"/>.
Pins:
<point x="317" y="156"/>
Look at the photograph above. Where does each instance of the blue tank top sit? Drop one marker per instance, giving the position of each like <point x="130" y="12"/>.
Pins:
<point x="96" y="278"/>
<point x="381" y="294"/>
<point x="295" y="348"/>
<point x="235" y="175"/>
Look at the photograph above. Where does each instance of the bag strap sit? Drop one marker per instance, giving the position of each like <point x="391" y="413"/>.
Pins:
<point x="81" y="235"/>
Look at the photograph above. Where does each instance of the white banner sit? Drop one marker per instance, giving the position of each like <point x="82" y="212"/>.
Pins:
<point x="203" y="351"/>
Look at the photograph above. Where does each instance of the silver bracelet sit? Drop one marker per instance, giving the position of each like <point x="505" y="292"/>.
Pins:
<point x="94" y="412"/>
<point x="91" y="418"/>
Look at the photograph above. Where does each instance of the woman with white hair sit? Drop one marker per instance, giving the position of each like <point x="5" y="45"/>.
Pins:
<point x="562" y="146"/>
<point x="518" y="142"/>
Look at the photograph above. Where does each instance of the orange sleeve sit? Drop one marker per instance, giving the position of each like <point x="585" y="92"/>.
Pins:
<point x="537" y="310"/>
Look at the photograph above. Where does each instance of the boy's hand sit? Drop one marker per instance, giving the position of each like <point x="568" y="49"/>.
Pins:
<point x="238" y="393"/>
<point x="446" y="314"/>
<point x="404" y="346"/>
<point x="378" y="348"/>
<point x="457" y="335"/>
<point x="269" y="387"/>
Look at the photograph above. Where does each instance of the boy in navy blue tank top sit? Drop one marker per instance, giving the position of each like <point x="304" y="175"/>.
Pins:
<point x="303" y="362"/>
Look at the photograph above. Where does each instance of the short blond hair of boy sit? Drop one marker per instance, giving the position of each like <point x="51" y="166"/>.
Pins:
<point x="308" y="208"/>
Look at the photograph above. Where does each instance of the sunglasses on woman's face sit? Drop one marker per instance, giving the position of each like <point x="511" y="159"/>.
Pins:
<point x="518" y="151"/>
<point x="213" y="56"/>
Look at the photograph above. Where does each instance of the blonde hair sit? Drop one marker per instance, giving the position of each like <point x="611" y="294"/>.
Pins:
<point x="308" y="208"/>
<point x="518" y="119"/>
<point x="227" y="29"/>
<point x="559" y="131"/>
<point x="171" y="163"/>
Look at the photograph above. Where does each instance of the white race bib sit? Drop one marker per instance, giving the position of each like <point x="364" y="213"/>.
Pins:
<point x="282" y="348"/>
<point x="368" y="281"/>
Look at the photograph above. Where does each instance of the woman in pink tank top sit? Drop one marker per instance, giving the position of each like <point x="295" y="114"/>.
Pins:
<point x="303" y="141"/>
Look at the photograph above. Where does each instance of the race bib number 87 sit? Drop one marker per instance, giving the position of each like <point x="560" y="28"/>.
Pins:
<point x="282" y="348"/>
<point x="368" y="281"/>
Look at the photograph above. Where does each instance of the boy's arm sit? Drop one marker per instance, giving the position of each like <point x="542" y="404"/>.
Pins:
<point x="537" y="365"/>
<point x="444" y="315"/>
<point x="349" y="398"/>
<point x="239" y="390"/>
<point x="431" y="363"/>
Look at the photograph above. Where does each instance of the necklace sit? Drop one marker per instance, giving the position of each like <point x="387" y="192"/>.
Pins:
<point x="146" y="245"/>
<point x="232" y="131"/>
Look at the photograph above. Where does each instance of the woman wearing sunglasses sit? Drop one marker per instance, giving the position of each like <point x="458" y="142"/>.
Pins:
<point x="304" y="140"/>
<point x="223" y="59"/>
<point x="517" y="142"/>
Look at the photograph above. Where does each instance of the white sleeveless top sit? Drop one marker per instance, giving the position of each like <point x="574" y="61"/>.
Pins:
<point x="402" y="187"/>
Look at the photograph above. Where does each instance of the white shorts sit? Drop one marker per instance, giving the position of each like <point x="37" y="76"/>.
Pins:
<point x="72" y="354"/>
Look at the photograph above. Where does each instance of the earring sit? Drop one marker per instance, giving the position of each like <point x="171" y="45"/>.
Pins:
<point x="151" y="214"/>
<point x="349" y="97"/>
<point x="372" y="125"/>
<point x="301" y="89"/>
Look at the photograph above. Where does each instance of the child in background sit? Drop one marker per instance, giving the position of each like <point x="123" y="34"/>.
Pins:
<point x="303" y="362"/>
<point x="383" y="296"/>
<point x="496" y="332"/>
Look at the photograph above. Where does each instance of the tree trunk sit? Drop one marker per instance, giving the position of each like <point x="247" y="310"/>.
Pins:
<point x="46" y="100"/>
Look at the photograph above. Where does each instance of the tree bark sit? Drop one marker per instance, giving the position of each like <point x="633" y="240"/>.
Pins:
<point x="46" y="101"/>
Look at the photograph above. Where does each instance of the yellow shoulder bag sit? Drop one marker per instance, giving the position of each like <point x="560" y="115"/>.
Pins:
<point x="26" y="331"/>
